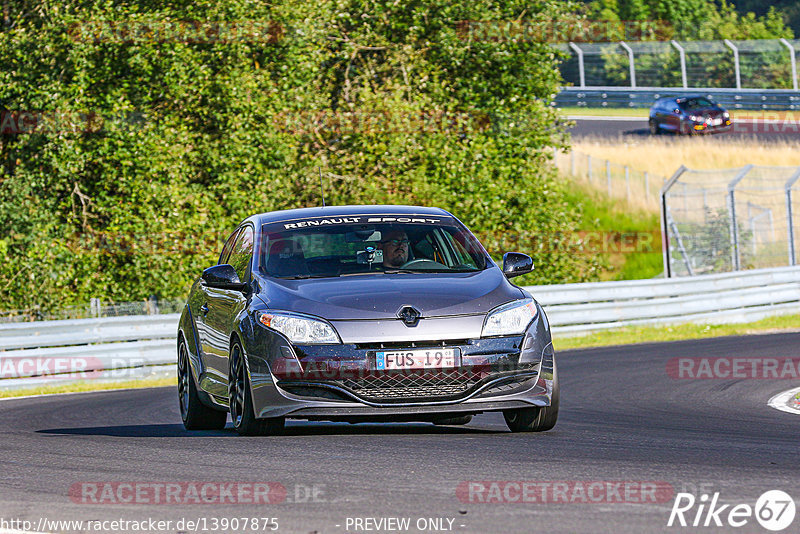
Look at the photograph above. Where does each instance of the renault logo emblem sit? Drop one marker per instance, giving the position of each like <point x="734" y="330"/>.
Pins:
<point x="409" y="314"/>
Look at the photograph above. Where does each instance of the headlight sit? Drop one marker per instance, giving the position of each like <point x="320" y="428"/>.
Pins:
<point x="509" y="319"/>
<point x="695" y="118"/>
<point x="299" y="329"/>
<point x="726" y="115"/>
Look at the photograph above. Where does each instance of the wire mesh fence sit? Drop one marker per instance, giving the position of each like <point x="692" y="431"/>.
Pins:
<point x="730" y="220"/>
<point x="754" y="64"/>
<point x="94" y="308"/>
<point x="623" y="182"/>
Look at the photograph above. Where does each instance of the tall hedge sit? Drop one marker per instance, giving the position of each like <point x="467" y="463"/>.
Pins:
<point x="147" y="147"/>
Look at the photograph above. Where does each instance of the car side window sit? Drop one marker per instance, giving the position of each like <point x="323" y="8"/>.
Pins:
<point x="242" y="252"/>
<point x="226" y="249"/>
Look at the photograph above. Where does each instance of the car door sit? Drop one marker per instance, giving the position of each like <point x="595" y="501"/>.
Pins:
<point x="672" y="116"/>
<point x="225" y="304"/>
<point x="200" y="311"/>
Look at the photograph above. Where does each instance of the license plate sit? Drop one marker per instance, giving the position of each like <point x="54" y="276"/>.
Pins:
<point x="415" y="359"/>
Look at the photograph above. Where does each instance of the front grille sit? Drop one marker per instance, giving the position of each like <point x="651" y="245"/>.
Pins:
<point x="415" y="386"/>
<point x="410" y="344"/>
<point x="412" y="385"/>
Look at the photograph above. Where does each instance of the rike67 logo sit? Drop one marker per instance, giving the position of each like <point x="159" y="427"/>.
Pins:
<point x="774" y="510"/>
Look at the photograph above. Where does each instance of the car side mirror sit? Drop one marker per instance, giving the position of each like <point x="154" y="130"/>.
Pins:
<point x="222" y="277"/>
<point x="516" y="264"/>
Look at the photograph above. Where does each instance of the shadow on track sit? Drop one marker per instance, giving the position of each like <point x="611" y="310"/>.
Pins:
<point x="292" y="429"/>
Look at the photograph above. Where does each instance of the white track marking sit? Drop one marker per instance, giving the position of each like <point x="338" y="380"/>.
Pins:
<point x="781" y="400"/>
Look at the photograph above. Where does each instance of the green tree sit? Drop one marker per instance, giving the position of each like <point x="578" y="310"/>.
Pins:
<point x="163" y="144"/>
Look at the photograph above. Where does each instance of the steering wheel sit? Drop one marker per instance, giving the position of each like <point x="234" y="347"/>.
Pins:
<point x="424" y="263"/>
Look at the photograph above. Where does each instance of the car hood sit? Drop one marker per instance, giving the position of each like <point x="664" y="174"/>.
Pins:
<point x="380" y="296"/>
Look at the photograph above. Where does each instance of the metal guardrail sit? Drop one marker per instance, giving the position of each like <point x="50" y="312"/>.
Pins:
<point x="115" y="348"/>
<point x="643" y="97"/>
<point x="717" y="298"/>
<point x="33" y="353"/>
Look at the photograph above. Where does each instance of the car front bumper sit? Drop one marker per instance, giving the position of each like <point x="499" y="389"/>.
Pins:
<point x="339" y="382"/>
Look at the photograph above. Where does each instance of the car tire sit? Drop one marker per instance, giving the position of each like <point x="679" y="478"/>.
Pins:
<point x="654" y="129"/>
<point x="539" y="418"/>
<point x="195" y="414"/>
<point x="240" y="400"/>
<point x="452" y="421"/>
<point x="684" y="129"/>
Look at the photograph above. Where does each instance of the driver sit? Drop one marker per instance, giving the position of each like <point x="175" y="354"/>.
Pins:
<point x="395" y="248"/>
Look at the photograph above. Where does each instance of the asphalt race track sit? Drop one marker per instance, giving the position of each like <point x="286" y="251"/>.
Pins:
<point x="609" y="128"/>
<point x="622" y="419"/>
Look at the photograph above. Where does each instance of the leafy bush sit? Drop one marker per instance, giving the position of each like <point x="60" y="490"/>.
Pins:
<point x="150" y="150"/>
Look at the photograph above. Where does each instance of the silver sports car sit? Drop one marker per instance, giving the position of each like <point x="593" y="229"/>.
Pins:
<point x="362" y="313"/>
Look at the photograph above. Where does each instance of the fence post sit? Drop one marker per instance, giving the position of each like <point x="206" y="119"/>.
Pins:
<point x="589" y="166"/>
<point x="789" y="184"/>
<point x="608" y="176"/>
<point x="682" y="53"/>
<point x="792" y="59"/>
<point x="629" y="50"/>
<point x="735" y="62"/>
<point x="579" y="53"/>
<point x="152" y="305"/>
<point x="664" y="224"/>
<point x="627" y="184"/>
<point x="735" y="256"/>
<point x="94" y="307"/>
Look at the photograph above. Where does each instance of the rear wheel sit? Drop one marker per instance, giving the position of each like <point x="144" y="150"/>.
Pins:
<point x="460" y="420"/>
<point x="536" y="419"/>
<point x="195" y="414"/>
<point x="241" y="401"/>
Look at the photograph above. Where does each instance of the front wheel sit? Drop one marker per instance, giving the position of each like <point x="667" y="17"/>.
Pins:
<point x="241" y="400"/>
<point x="654" y="129"/>
<point x="195" y="414"/>
<point x="536" y="419"/>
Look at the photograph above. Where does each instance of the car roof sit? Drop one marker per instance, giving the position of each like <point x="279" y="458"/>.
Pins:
<point x="344" y="211"/>
<point x="684" y="97"/>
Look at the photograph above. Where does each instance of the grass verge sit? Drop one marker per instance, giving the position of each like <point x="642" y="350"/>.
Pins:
<point x="655" y="334"/>
<point x="662" y="155"/>
<point x="88" y="386"/>
<point x="643" y="113"/>
<point x="618" y="219"/>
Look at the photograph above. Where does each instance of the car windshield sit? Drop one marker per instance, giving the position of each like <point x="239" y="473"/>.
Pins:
<point x="696" y="103"/>
<point x="345" y="246"/>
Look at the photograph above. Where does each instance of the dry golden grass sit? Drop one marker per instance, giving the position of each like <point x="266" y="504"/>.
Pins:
<point x="663" y="155"/>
